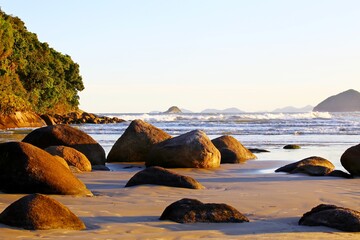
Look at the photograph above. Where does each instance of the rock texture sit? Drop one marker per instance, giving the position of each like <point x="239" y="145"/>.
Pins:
<point x="161" y="176"/>
<point x="314" y="166"/>
<point x="350" y="160"/>
<point x="136" y="142"/>
<point x="344" y="219"/>
<point x="231" y="150"/>
<point x="25" y="168"/>
<point x="66" y="135"/>
<point x="348" y="101"/>
<point x="190" y="150"/>
<point x="40" y="212"/>
<point x="191" y="211"/>
<point x="20" y="119"/>
<point x="72" y="156"/>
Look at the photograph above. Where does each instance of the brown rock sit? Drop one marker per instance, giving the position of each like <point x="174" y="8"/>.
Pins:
<point x="291" y="146"/>
<point x="40" y="212"/>
<point x="191" y="211"/>
<point x="161" y="176"/>
<point x="25" y="168"/>
<point x="67" y="136"/>
<point x="350" y="160"/>
<point x="71" y="156"/>
<point x="136" y="142"/>
<point x="190" y="150"/>
<point x="20" y="119"/>
<point x="231" y="150"/>
<point x="314" y="166"/>
<point x="344" y="219"/>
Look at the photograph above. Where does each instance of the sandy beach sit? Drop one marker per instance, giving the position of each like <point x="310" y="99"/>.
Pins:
<point x="273" y="202"/>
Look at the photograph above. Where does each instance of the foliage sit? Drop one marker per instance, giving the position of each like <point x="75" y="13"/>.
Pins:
<point x="34" y="76"/>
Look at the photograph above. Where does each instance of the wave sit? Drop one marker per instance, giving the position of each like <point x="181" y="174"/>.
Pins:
<point x="238" y="117"/>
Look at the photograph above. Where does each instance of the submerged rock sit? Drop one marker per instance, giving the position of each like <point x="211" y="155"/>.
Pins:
<point x="291" y="146"/>
<point x="66" y="135"/>
<point x="231" y="150"/>
<point x="344" y="219"/>
<point x="192" y="211"/>
<point x="162" y="176"/>
<point x="350" y="160"/>
<point x="25" y="168"/>
<point x="190" y="150"/>
<point x="314" y="166"/>
<point x="136" y="142"/>
<point x="40" y="212"/>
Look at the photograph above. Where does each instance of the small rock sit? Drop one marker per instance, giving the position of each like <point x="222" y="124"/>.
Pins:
<point x="40" y="212"/>
<point x="291" y="146"/>
<point x="344" y="219"/>
<point x="313" y="166"/>
<point x="192" y="211"/>
<point x="161" y="176"/>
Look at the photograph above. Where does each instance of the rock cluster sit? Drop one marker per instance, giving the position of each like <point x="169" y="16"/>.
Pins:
<point x="77" y="118"/>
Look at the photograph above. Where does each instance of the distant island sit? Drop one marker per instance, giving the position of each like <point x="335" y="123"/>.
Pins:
<point x="347" y="101"/>
<point x="290" y="109"/>
<point x="227" y="110"/>
<point x="173" y="109"/>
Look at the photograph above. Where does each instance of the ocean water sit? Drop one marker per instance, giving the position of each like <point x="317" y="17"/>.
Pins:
<point x="321" y="134"/>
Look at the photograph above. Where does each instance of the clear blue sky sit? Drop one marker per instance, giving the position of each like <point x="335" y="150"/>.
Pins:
<point x="144" y="55"/>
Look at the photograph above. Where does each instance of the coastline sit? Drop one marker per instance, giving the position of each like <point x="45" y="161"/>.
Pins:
<point x="273" y="202"/>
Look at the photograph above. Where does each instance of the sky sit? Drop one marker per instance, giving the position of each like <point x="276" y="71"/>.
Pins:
<point x="147" y="55"/>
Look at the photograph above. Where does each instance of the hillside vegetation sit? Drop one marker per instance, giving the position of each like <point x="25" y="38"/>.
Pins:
<point x="33" y="76"/>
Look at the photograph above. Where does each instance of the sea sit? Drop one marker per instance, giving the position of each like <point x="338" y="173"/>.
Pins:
<point x="322" y="134"/>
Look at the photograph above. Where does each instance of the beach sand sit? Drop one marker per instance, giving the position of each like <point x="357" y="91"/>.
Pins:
<point x="274" y="202"/>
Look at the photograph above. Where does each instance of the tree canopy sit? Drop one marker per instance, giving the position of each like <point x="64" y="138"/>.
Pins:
<point x="33" y="76"/>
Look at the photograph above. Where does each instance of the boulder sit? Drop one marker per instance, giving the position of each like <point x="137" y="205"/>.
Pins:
<point x="20" y="120"/>
<point x="40" y="212"/>
<point x="161" y="176"/>
<point x="25" y="168"/>
<point x="136" y="142"/>
<point x="344" y="219"/>
<point x="350" y="160"/>
<point x="313" y="166"/>
<point x="291" y="146"/>
<point x="192" y="211"/>
<point x="190" y="150"/>
<point x="66" y="135"/>
<point x="72" y="156"/>
<point x="231" y="150"/>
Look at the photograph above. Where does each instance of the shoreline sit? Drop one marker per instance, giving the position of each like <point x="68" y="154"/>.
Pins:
<point x="273" y="202"/>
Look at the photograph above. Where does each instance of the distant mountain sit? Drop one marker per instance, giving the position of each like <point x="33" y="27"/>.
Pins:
<point x="183" y="110"/>
<point x="173" y="109"/>
<point x="348" y="101"/>
<point x="291" y="109"/>
<point x="228" y="110"/>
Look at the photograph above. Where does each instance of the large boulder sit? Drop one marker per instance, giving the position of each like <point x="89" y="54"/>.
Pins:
<point x="40" y="212"/>
<point x="25" y="168"/>
<point x="313" y="166"/>
<point x="67" y="136"/>
<point x="344" y="219"/>
<point x="190" y="150"/>
<point x="350" y="160"/>
<point x="136" y="142"/>
<point x="72" y="156"/>
<point x="162" y="176"/>
<point x="20" y="120"/>
<point x="192" y="210"/>
<point x="231" y="150"/>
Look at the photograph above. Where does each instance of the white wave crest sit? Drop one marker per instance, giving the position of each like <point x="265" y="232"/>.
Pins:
<point x="222" y="117"/>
